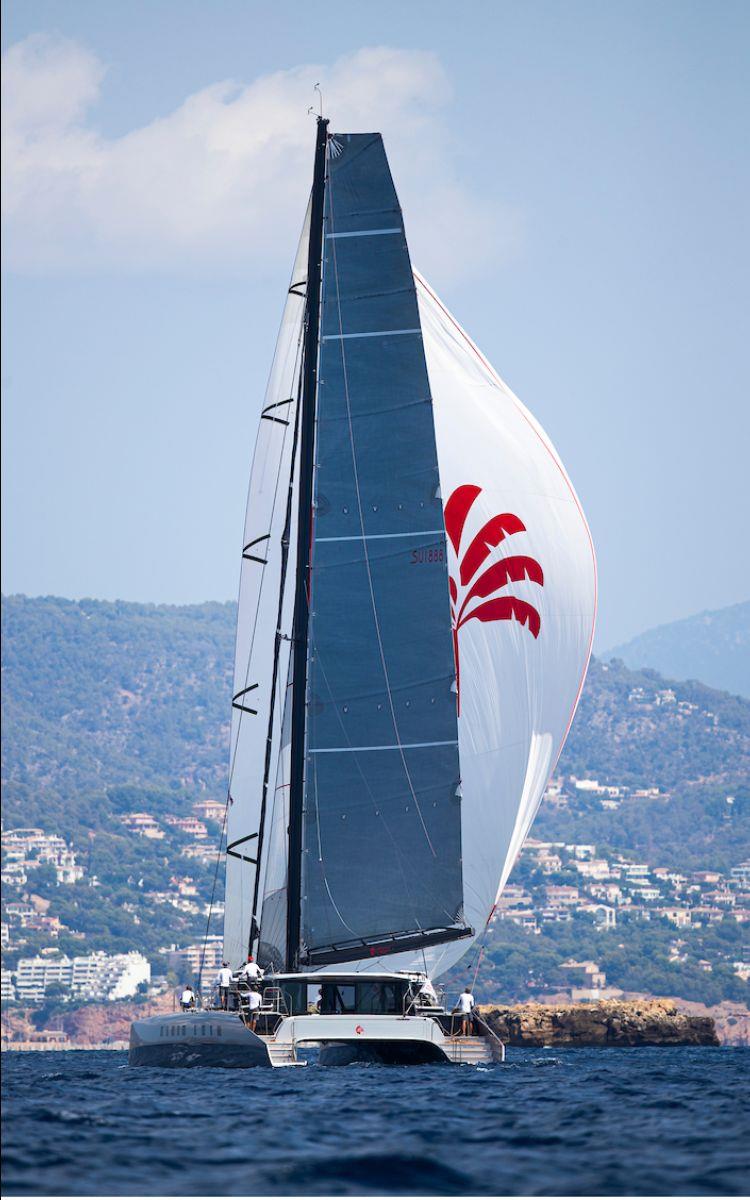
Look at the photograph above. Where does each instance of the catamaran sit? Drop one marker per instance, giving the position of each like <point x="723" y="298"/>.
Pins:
<point x="416" y="612"/>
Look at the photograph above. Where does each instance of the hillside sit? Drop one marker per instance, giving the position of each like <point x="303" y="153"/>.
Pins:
<point x="98" y="694"/>
<point x="111" y="709"/>
<point x="711" y="646"/>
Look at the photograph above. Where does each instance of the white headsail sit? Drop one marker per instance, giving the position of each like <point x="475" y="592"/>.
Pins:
<point x="257" y="618"/>
<point x="523" y="593"/>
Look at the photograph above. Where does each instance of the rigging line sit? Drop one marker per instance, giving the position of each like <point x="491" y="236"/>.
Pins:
<point x="362" y="527"/>
<point x="296" y="360"/>
<point x="285" y="547"/>
<point x="353" y="932"/>
<point x="213" y="889"/>
<point x="248" y="662"/>
<point x="482" y="946"/>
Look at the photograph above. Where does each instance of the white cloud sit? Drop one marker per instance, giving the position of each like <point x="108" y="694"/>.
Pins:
<point x="221" y="182"/>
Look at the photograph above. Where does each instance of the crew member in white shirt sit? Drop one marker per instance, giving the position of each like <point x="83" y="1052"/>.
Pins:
<point x="250" y="972"/>
<point x="464" y="1009"/>
<point x="253" y="1003"/>
<point x="223" y="981"/>
<point x="187" y="999"/>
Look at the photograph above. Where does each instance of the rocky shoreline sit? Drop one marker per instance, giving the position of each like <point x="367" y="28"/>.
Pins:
<point x="601" y="1023"/>
<point x="634" y="1022"/>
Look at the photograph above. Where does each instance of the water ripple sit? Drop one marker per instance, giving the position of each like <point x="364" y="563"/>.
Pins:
<point x="576" y="1122"/>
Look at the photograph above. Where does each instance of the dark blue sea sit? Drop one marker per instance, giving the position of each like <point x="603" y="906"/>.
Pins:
<point x="611" y="1122"/>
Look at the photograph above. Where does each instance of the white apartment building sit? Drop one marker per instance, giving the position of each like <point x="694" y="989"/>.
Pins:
<point x="186" y="962"/>
<point x="91" y="977"/>
<point x="27" y="849"/>
<point x="7" y="989"/>
<point x="35" y="975"/>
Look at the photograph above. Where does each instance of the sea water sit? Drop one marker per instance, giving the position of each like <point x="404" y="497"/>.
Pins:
<point x="612" y="1122"/>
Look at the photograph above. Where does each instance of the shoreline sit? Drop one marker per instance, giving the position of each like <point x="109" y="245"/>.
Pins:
<point x="601" y="1023"/>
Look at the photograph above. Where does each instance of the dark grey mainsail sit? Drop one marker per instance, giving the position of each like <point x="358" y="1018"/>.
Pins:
<point x="380" y="819"/>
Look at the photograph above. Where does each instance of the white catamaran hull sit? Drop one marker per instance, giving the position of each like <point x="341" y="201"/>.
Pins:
<point x="220" y="1039"/>
<point x="196" y="1039"/>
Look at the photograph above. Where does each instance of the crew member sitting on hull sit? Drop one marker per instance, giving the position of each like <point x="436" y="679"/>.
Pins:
<point x="187" y="999"/>
<point x="223" y="981"/>
<point x="464" y="1008"/>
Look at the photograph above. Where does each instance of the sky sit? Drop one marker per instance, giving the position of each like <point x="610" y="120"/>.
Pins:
<point x="574" y="178"/>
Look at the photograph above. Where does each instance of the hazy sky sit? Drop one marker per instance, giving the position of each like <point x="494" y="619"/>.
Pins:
<point x="574" y="178"/>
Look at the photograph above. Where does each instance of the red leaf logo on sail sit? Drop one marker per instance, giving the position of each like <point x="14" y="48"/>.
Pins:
<point x="477" y="585"/>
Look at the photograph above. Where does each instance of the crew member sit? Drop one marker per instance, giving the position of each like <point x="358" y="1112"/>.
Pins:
<point x="427" y="994"/>
<point x="187" y="999"/>
<point x="464" y="1009"/>
<point x="223" y="980"/>
<point x="250" y="972"/>
<point x="253" y="1002"/>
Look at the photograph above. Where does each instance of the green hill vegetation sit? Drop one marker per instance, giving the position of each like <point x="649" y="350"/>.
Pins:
<point x="111" y="708"/>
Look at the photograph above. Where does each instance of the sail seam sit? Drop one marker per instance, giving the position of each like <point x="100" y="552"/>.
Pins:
<point x="339" y="337"/>
<point x="359" y="537"/>
<point x="395" y="746"/>
<point x="365" y="233"/>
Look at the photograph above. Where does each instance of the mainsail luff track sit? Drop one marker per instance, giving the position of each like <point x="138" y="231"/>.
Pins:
<point x="304" y="532"/>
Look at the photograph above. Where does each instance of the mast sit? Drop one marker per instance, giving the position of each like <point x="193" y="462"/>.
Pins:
<point x="304" y="541"/>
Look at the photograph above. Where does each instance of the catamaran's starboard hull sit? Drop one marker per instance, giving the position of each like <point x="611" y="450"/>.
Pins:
<point x="200" y="1039"/>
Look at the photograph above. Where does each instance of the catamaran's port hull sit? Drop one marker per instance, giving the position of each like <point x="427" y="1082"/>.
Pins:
<point x="201" y="1039"/>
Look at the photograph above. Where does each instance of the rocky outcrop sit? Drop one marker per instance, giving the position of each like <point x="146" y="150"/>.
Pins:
<point x="602" y="1023"/>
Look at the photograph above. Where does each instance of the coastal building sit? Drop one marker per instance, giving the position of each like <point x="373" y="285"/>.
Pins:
<point x="25" y="850"/>
<point x="603" y="915"/>
<point x="96" y="976"/>
<point x="186" y="961"/>
<point x="680" y="917"/>
<point x="562" y="894"/>
<point x="741" y="874"/>
<point x="190" y="826"/>
<point x="7" y="987"/>
<point x="210" y="810"/>
<point x="593" y="868"/>
<point x="143" y="824"/>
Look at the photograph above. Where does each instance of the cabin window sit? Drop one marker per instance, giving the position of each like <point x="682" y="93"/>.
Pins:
<point x="378" y="997"/>
<point x="338" y="998"/>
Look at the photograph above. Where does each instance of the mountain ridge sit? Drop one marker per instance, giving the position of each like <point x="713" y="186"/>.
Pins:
<point x="712" y="646"/>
